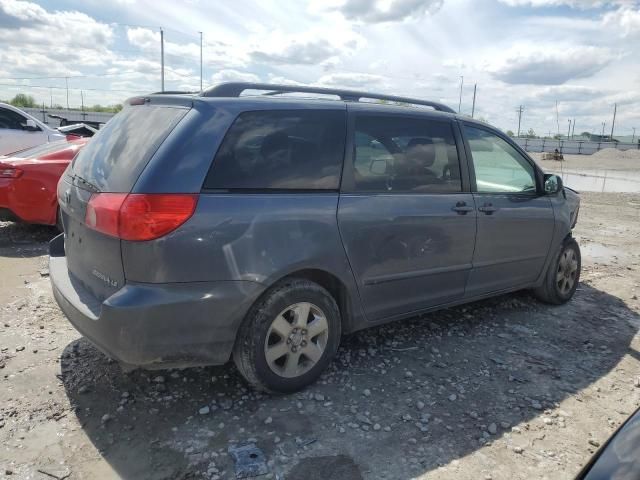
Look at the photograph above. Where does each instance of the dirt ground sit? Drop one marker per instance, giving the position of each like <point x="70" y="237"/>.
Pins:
<point x="607" y="159"/>
<point x="502" y="389"/>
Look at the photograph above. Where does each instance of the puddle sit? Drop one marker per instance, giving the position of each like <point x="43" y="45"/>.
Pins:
<point x="597" y="251"/>
<point x="618" y="181"/>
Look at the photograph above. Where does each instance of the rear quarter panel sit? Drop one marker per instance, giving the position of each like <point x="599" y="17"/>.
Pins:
<point x="255" y="237"/>
<point x="32" y="197"/>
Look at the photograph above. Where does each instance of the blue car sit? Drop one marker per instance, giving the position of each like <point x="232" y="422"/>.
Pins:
<point x="199" y="228"/>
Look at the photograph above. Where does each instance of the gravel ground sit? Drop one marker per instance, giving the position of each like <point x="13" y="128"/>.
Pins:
<point x="502" y="389"/>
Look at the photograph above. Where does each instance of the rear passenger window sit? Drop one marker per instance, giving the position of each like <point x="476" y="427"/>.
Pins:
<point x="281" y="150"/>
<point x="11" y="120"/>
<point x="400" y="154"/>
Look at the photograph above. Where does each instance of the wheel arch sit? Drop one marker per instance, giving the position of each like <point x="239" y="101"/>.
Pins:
<point x="336" y="287"/>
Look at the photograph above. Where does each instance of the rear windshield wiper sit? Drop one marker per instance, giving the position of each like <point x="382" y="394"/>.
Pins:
<point x="79" y="179"/>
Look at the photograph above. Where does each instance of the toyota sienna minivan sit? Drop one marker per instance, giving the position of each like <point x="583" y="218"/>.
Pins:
<point x="199" y="228"/>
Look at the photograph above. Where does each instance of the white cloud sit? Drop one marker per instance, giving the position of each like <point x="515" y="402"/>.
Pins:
<point x="583" y="4"/>
<point x="33" y="25"/>
<point x="234" y="76"/>
<point x="36" y="42"/>
<point x="627" y="20"/>
<point x="550" y="65"/>
<point x="312" y="47"/>
<point x="215" y="54"/>
<point x="351" y="80"/>
<point x="565" y="93"/>
<point x="295" y="52"/>
<point x="380" y="11"/>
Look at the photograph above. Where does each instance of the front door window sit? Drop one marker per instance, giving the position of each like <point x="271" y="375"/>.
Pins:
<point x="499" y="168"/>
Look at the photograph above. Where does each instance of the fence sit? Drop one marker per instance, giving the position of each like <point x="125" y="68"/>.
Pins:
<point x="71" y="115"/>
<point x="577" y="147"/>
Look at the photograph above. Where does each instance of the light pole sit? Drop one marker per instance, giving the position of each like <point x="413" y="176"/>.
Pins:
<point x="201" y="61"/>
<point x="161" y="60"/>
<point x="473" y="107"/>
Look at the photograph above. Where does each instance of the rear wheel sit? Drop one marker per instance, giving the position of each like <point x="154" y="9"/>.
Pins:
<point x="563" y="275"/>
<point x="289" y="337"/>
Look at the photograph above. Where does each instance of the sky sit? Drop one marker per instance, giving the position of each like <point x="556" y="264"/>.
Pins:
<point x="584" y="54"/>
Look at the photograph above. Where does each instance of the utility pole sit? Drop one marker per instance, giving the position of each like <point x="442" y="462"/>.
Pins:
<point x="569" y="131"/>
<point x="201" y="61"/>
<point x="633" y="137"/>
<point x="520" y="110"/>
<point x="51" y="97"/>
<point x="473" y="107"/>
<point x="161" y="60"/>
<point x="460" y="102"/>
<point x="613" y="125"/>
<point x="573" y="129"/>
<point x="66" y="79"/>
<point x="84" y="115"/>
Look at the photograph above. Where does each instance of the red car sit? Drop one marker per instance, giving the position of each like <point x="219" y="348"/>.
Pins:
<point x="29" y="178"/>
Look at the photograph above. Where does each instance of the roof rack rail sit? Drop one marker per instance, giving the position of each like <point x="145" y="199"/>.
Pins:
<point x="234" y="89"/>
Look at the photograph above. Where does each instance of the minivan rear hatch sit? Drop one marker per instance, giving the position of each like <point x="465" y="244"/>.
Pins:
<point x="110" y="163"/>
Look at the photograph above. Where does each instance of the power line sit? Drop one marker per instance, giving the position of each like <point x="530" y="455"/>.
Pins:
<point x="72" y="76"/>
<point x="64" y="88"/>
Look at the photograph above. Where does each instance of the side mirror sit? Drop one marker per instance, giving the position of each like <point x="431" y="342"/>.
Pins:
<point x="552" y="184"/>
<point x="31" y="126"/>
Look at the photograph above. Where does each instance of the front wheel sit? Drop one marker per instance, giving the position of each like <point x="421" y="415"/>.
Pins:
<point x="563" y="275"/>
<point x="289" y="337"/>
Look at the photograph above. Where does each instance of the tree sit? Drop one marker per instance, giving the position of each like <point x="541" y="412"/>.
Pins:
<point x="531" y="134"/>
<point x="510" y="133"/>
<point x="23" y="101"/>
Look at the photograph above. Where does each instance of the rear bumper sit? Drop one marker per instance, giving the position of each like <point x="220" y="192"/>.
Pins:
<point x="155" y="325"/>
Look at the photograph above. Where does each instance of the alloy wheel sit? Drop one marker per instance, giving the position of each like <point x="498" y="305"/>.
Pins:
<point x="567" y="271"/>
<point x="296" y="340"/>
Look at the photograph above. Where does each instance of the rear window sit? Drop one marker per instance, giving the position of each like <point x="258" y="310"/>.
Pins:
<point x="114" y="158"/>
<point x="281" y="150"/>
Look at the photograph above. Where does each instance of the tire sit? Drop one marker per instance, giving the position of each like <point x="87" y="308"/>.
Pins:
<point x="272" y="355"/>
<point x="562" y="276"/>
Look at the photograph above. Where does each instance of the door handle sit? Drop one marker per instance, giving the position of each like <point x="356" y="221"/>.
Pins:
<point x="487" y="209"/>
<point x="462" y="208"/>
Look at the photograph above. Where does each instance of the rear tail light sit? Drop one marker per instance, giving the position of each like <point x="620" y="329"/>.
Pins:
<point x="9" y="171"/>
<point x="139" y="217"/>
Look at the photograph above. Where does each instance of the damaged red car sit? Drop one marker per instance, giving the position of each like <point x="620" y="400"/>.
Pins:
<point x="29" y="178"/>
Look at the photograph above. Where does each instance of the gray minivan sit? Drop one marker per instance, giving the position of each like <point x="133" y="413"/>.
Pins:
<point x="200" y="228"/>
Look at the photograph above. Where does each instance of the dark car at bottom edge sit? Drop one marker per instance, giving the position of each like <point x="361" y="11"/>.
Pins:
<point x="199" y="228"/>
